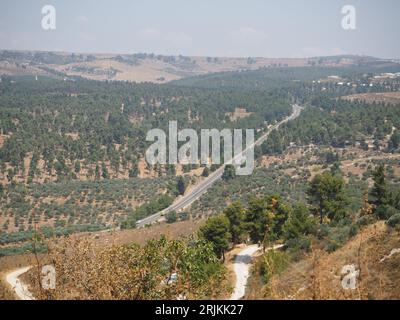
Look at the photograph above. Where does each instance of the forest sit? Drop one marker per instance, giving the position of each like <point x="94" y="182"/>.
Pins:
<point x="71" y="151"/>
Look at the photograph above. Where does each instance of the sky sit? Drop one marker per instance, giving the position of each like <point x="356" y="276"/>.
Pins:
<point x="232" y="28"/>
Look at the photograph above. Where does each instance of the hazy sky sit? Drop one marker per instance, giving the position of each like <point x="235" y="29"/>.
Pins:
<point x="268" y="28"/>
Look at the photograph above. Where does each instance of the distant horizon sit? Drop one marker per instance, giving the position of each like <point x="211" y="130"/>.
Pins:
<point x="198" y="56"/>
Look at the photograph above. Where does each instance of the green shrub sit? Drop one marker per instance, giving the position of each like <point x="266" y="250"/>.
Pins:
<point x="394" y="221"/>
<point x="365" y="220"/>
<point x="299" y="244"/>
<point x="332" y="246"/>
<point x="384" y="212"/>
<point x="354" y="229"/>
<point x="273" y="262"/>
<point x="337" y="237"/>
<point x="171" y="217"/>
<point x="183" y="216"/>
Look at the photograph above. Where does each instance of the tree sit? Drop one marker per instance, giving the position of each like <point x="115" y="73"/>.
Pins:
<point x="214" y="167"/>
<point x="259" y="221"/>
<point x="171" y="217"/>
<point x="171" y="170"/>
<point x="326" y="194"/>
<point x="335" y="168"/>
<point x="181" y="185"/>
<point x="216" y="231"/>
<point x="279" y="214"/>
<point x="133" y="172"/>
<point x="364" y="145"/>
<point x="206" y="172"/>
<point x="394" y="142"/>
<point x="77" y="166"/>
<point x="235" y="214"/>
<point x="229" y="172"/>
<point x="97" y="171"/>
<point x="183" y="216"/>
<point x="331" y="157"/>
<point x="104" y="171"/>
<point x="299" y="224"/>
<point x="379" y="192"/>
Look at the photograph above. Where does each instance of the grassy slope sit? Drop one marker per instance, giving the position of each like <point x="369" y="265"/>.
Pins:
<point x="318" y="275"/>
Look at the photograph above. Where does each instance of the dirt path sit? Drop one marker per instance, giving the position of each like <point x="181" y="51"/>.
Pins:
<point x="241" y="267"/>
<point x="20" y="288"/>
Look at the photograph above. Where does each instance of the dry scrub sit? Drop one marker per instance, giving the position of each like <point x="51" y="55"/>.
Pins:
<point x="319" y="276"/>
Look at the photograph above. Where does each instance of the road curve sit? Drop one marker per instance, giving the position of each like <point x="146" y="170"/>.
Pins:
<point x="241" y="267"/>
<point x="205" y="184"/>
<point x="21" y="289"/>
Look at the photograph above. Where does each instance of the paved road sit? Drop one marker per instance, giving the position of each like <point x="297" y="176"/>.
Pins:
<point x="205" y="184"/>
<point x="20" y="289"/>
<point x="241" y="267"/>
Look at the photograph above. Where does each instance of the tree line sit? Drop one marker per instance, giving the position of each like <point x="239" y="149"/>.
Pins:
<point x="266" y="220"/>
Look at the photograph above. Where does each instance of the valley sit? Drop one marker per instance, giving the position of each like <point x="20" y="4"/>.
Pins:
<point x="76" y="189"/>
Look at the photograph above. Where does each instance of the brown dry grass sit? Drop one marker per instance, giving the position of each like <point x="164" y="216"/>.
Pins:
<point x="101" y="240"/>
<point x="239" y="113"/>
<point x="319" y="277"/>
<point x="141" y="236"/>
<point x="8" y="264"/>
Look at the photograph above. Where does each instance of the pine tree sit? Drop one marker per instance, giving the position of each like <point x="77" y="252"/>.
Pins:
<point x="181" y="185"/>
<point x="104" y="171"/>
<point x="206" y="172"/>
<point x="216" y="231"/>
<point x="229" y="172"/>
<point x="97" y="171"/>
<point x="235" y="214"/>
<point x="77" y="166"/>
<point x="326" y="194"/>
<point x="379" y="192"/>
<point x="259" y="221"/>
<point x="299" y="224"/>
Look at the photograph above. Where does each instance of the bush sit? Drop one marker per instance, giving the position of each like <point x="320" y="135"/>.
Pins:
<point x="384" y="212"/>
<point x="332" y="246"/>
<point x="183" y="216"/>
<point x="323" y="231"/>
<point x="365" y="220"/>
<point x="394" y="221"/>
<point x="299" y="244"/>
<point x="171" y="217"/>
<point x="354" y="229"/>
<point x="338" y="237"/>
<point x="273" y="262"/>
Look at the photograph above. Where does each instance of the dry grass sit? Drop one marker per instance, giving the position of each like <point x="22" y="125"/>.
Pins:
<point x="239" y="113"/>
<point x="141" y="236"/>
<point x="88" y="272"/>
<point x="319" y="277"/>
<point x="103" y="240"/>
<point x="8" y="264"/>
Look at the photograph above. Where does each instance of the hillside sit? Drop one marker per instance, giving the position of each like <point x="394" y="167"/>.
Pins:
<point x="142" y="67"/>
<point x="72" y="152"/>
<point x="72" y="162"/>
<point x="374" y="252"/>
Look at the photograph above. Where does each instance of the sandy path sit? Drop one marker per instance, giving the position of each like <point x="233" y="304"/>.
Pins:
<point x="20" y="288"/>
<point x="241" y="267"/>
